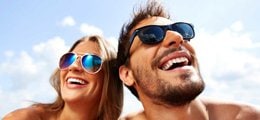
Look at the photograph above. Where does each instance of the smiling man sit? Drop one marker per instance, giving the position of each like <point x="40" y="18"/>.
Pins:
<point x="159" y="66"/>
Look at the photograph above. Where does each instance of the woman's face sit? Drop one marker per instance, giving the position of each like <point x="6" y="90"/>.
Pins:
<point x="77" y="85"/>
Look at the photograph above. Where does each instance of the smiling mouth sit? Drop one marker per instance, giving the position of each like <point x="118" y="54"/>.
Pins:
<point x="175" y="60"/>
<point x="76" y="81"/>
<point x="175" y="63"/>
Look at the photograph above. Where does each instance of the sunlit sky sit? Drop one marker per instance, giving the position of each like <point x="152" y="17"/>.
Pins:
<point x="35" y="33"/>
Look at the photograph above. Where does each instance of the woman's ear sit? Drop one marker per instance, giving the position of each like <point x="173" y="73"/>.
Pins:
<point x="126" y="75"/>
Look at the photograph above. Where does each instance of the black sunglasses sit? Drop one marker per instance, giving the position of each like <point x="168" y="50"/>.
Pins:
<point x="90" y="63"/>
<point x="153" y="34"/>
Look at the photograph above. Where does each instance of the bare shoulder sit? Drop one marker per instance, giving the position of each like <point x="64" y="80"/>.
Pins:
<point x="29" y="113"/>
<point x="231" y="110"/>
<point x="134" y="116"/>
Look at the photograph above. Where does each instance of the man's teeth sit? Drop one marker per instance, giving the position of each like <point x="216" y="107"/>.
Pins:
<point x="174" y="61"/>
<point x="76" y="81"/>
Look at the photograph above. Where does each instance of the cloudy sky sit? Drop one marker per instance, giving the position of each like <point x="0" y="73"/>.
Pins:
<point x="35" y="33"/>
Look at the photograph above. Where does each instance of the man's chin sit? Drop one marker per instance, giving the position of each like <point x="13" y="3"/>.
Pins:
<point x="180" y="96"/>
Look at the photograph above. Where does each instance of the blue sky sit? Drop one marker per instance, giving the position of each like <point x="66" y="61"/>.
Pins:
<point x="35" y="33"/>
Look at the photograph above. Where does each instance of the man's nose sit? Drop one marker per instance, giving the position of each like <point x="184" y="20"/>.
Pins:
<point x="172" y="38"/>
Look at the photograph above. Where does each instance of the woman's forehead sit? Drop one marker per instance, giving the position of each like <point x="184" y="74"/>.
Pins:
<point x="87" y="46"/>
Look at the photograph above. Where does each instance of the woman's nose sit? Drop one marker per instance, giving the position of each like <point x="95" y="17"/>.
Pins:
<point x="76" y="66"/>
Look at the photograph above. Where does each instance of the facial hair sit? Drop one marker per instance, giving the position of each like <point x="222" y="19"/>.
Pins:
<point x="164" y="92"/>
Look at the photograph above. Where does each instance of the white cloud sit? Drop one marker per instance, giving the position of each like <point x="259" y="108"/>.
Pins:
<point x="113" y="41"/>
<point x="51" y="50"/>
<point x="237" y="26"/>
<point x="228" y="66"/>
<point x="9" y="53"/>
<point x="25" y="75"/>
<point x="90" y="29"/>
<point x="68" y="21"/>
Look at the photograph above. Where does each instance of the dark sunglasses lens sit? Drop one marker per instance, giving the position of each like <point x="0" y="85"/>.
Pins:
<point x="185" y="29"/>
<point x="67" y="59"/>
<point x="151" y="34"/>
<point x="91" y="63"/>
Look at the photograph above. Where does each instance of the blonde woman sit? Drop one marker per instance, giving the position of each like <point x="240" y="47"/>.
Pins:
<point x="86" y="86"/>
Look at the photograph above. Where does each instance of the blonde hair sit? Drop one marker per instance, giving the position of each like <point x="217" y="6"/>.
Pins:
<point x="110" y="106"/>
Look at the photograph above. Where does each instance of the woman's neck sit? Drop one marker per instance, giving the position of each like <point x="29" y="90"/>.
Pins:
<point x="78" y="112"/>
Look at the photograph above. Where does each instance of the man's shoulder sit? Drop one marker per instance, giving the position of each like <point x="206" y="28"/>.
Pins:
<point x="249" y="113"/>
<point x="134" y="116"/>
<point x="32" y="113"/>
<point x="231" y="109"/>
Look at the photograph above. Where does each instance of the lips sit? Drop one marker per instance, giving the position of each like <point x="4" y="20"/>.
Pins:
<point x="76" y="81"/>
<point x="175" y="60"/>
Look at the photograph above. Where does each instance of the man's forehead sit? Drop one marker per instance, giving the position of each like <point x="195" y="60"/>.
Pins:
<point x="153" y="21"/>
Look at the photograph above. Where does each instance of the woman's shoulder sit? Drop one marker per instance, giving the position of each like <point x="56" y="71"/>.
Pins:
<point x="32" y="113"/>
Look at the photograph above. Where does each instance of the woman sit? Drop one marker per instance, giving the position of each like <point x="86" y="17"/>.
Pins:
<point x="86" y="85"/>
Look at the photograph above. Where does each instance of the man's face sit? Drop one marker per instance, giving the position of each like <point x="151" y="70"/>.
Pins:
<point x="166" y="72"/>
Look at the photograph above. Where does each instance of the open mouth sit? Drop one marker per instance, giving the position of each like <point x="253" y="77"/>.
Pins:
<point x="76" y="81"/>
<point x="176" y="61"/>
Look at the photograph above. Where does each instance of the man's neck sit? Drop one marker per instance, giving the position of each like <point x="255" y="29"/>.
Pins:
<point x="192" y="111"/>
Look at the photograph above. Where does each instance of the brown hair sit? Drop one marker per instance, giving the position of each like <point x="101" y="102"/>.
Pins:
<point x="151" y="9"/>
<point x="111" y="102"/>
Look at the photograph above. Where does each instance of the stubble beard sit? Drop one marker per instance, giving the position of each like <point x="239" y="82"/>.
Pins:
<point x="164" y="92"/>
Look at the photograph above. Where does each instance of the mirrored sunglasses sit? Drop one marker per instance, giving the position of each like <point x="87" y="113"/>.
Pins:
<point x="153" y="34"/>
<point x="89" y="62"/>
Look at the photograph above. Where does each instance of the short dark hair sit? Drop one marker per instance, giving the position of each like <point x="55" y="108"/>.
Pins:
<point x="152" y="8"/>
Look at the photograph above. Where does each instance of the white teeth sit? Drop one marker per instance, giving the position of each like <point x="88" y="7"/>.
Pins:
<point x="76" y="81"/>
<point x="173" y="61"/>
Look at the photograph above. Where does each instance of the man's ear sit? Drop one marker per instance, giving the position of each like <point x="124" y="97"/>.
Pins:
<point x="126" y="75"/>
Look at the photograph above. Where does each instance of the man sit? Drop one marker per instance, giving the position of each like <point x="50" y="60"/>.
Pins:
<point x="159" y="66"/>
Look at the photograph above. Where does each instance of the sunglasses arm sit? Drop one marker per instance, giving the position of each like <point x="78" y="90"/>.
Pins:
<point x="131" y="39"/>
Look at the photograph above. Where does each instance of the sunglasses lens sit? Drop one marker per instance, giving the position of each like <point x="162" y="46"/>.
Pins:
<point x="151" y="34"/>
<point x="91" y="63"/>
<point x="67" y="59"/>
<point x="186" y="30"/>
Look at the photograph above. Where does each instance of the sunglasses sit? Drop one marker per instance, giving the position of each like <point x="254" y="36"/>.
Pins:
<point x="89" y="62"/>
<point x="153" y="34"/>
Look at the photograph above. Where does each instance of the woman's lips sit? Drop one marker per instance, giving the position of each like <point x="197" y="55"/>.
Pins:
<point x="76" y="82"/>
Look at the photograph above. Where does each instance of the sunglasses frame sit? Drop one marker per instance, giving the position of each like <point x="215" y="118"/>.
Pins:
<point x="163" y="27"/>
<point x="81" y="62"/>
